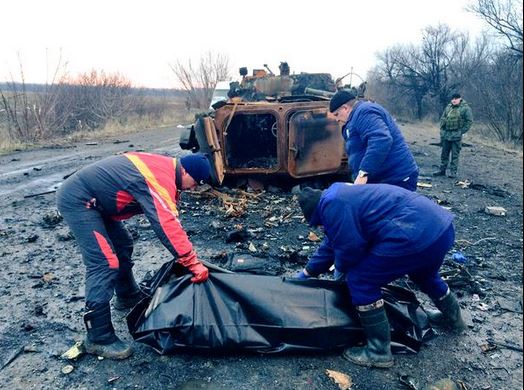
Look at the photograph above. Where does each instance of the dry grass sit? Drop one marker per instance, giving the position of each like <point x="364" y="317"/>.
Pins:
<point x="480" y="134"/>
<point x="175" y="115"/>
<point x="7" y="145"/>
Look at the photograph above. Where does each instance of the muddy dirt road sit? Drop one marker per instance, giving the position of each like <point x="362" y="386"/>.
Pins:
<point x="41" y="277"/>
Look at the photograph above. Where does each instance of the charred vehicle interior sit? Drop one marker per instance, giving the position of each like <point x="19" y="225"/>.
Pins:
<point x="271" y="125"/>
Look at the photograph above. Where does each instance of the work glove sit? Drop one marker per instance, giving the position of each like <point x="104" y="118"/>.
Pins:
<point x="302" y="275"/>
<point x="199" y="270"/>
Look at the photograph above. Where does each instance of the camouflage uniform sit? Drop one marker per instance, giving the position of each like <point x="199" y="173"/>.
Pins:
<point x="455" y="121"/>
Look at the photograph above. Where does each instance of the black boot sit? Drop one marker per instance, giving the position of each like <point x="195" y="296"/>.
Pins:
<point x="377" y="352"/>
<point x="101" y="339"/>
<point x="127" y="291"/>
<point x="440" y="172"/>
<point x="128" y="301"/>
<point x="449" y="315"/>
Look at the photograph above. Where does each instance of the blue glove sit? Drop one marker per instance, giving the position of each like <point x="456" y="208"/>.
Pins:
<point x="301" y="275"/>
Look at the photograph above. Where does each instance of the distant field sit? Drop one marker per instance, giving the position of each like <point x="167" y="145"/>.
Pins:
<point x="80" y="113"/>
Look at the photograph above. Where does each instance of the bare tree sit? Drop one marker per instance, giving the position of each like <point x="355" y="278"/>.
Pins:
<point x="424" y="71"/>
<point x="505" y="16"/>
<point x="95" y="97"/>
<point x="499" y="88"/>
<point x="200" y="81"/>
<point x="30" y="116"/>
<point x="399" y="67"/>
<point x="424" y="75"/>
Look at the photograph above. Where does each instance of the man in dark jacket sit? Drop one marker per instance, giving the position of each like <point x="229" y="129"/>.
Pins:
<point x="95" y="200"/>
<point x="376" y="148"/>
<point x="376" y="234"/>
<point x="455" y="121"/>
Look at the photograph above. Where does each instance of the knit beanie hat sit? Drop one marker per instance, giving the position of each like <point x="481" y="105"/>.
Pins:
<point x="308" y="199"/>
<point x="197" y="166"/>
<point x="341" y="97"/>
<point x="456" y="95"/>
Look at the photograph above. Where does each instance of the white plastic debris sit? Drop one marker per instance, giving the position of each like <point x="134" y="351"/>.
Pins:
<point x="495" y="210"/>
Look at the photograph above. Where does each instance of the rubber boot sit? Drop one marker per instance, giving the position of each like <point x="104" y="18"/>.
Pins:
<point x="452" y="174"/>
<point x="127" y="291"/>
<point x="449" y="314"/>
<point x="128" y="301"/>
<point x="377" y="352"/>
<point x="440" y="172"/>
<point x="101" y="339"/>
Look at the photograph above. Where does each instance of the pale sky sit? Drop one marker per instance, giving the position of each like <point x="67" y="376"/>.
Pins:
<point x="139" y="39"/>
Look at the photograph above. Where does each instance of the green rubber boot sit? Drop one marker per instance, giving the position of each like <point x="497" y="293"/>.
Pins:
<point x="377" y="352"/>
<point x="449" y="314"/>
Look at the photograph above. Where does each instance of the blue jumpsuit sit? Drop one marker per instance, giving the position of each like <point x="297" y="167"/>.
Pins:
<point x="377" y="233"/>
<point x="375" y="145"/>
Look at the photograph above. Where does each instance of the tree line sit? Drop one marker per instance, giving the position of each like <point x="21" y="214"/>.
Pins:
<point x="415" y="81"/>
<point x="86" y="102"/>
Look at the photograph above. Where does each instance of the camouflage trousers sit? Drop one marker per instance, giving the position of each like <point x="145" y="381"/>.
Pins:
<point x="453" y="148"/>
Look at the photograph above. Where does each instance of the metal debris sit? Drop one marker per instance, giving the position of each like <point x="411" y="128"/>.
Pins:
<point x="40" y="193"/>
<point x="488" y="347"/>
<point x="233" y="207"/>
<point x="409" y="381"/>
<point x="469" y="243"/>
<point x="113" y="379"/>
<point x="51" y="219"/>
<point x="458" y="276"/>
<point x="12" y="357"/>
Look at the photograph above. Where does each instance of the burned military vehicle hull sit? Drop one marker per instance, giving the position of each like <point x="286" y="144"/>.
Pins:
<point x="294" y="139"/>
<point x="271" y="127"/>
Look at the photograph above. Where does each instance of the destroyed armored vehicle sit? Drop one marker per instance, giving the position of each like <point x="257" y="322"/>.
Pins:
<point x="271" y="125"/>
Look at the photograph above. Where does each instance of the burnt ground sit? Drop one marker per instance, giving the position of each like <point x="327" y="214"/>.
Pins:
<point x="41" y="277"/>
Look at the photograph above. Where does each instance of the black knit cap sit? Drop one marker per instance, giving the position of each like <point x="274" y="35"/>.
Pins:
<point x="456" y="96"/>
<point x="197" y="166"/>
<point x="308" y="199"/>
<point x="341" y="97"/>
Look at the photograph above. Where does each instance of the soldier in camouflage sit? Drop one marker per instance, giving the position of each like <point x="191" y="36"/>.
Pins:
<point x="455" y="122"/>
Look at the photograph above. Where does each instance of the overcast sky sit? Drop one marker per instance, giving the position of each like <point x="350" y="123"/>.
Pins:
<point x="140" y="39"/>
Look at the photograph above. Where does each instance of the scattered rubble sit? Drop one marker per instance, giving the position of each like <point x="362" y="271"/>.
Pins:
<point x="41" y="283"/>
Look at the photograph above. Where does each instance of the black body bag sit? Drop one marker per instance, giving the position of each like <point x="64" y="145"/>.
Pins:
<point x="266" y="314"/>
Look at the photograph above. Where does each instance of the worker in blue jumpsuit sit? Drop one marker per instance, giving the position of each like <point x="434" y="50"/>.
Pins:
<point x="94" y="202"/>
<point x="375" y="234"/>
<point x="375" y="146"/>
